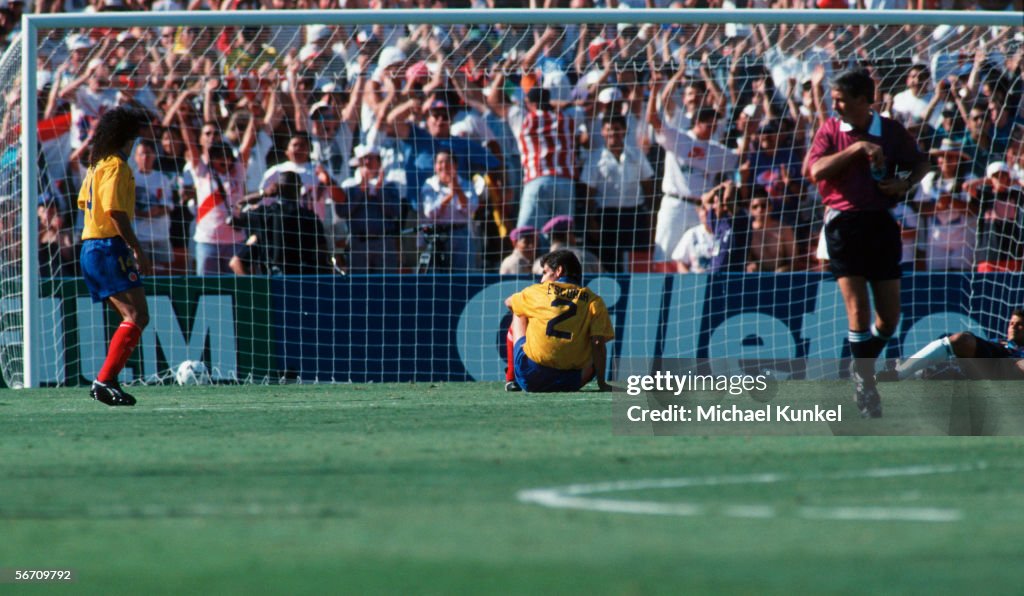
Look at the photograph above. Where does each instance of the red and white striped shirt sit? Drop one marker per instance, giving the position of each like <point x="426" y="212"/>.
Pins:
<point x="217" y="195"/>
<point x="546" y="142"/>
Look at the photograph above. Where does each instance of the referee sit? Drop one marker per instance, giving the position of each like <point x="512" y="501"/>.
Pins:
<point x="863" y="165"/>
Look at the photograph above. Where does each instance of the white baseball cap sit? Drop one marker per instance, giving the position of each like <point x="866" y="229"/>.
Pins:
<point x="79" y="42"/>
<point x="609" y="94"/>
<point x="996" y="167"/>
<point x="557" y="84"/>
<point x="390" y="56"/>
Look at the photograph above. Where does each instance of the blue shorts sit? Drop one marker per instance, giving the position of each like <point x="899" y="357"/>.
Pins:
<point x="109" y="267"/>
<point x="537" y="378"/>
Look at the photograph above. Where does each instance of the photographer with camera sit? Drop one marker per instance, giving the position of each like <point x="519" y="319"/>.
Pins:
<point x="282" y="237"/>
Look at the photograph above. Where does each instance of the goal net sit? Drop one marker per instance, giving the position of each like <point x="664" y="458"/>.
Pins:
<point x="349" y="196"/>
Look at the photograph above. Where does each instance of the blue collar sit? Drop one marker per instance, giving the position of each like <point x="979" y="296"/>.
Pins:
<point x="565" y="279"/>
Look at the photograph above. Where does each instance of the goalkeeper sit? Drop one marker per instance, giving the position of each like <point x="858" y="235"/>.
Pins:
<point x="559" y="329"/>
<point x="983" y="359"/>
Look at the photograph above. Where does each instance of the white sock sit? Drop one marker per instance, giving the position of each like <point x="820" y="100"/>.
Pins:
<point x="939" y="349"/>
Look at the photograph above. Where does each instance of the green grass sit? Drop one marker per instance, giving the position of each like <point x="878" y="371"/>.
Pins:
<point x="412" y="488"/>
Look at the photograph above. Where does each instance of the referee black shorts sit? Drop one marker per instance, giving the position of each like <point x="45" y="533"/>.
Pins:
<point x="864" y="244"/>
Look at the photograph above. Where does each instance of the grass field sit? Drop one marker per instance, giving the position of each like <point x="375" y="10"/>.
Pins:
<point x="403" y="488"/>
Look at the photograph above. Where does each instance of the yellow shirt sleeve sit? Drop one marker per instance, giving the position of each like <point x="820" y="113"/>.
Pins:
<point x="600" y="321"/>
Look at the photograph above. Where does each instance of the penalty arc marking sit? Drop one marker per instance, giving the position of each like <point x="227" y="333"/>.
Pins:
<point x="582" y="496"/>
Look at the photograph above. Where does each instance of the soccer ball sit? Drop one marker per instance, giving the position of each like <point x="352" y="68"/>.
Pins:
<point x="192" y="372"/>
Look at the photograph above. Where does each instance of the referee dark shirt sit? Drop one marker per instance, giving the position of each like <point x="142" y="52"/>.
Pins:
<point x="855" y="189"/>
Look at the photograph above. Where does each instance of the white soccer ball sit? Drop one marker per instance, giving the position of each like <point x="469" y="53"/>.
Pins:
<point x="192" y="372"/>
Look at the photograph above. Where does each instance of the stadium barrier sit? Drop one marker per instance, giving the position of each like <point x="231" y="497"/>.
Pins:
<point x="376" y="328"/>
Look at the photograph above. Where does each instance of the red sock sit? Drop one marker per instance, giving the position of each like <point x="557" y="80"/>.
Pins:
<point x="510" y="370"/>
<point x="121" y="346"/>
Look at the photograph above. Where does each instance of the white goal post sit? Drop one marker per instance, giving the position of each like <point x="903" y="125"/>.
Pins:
<point x="33" y="319"/>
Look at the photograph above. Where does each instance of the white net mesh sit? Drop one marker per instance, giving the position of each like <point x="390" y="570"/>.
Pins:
<point x="335" y="202"/>
<point x="10" y="219"/>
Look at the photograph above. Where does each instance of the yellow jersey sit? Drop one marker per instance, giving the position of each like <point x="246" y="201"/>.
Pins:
<point x="563" y="319"/>
<point x="109" y="186"/>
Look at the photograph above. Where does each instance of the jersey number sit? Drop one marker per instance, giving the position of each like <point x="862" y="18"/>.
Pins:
<point x="568" y="314"/>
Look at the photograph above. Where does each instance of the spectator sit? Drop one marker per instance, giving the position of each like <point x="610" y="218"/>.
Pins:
<point x="547" y="144"/>
<point x="56" y="245"/>
<point x="1000" y="245"/>
<point x="694" y="164"/>
<point x="422" y="145"/>
<point x="951" y="234"/>
<point x="331" y="131"/>
<point x="283" y="236"/>
<point x="559" y="230"/>
<point x="696" y="249"/>
<point x="914" y="105"/>
<point x="298" y="162"/>
<point x="154" y="200"/>
<point x="921" y="248"/>
<point x="619" y="186"/>
<point x="1005" y="122"/>
<point x="373" y="210"/>
<point x="449" y="205"/>
<point x="524" y="252"/>
<point x="978" y="141"/>
<point x="772" y="244"/>
<point x="90" y="95"/>
<point x="951" y="125"/>
<point x="220" y="187"/>
<point x="730" y="227"/>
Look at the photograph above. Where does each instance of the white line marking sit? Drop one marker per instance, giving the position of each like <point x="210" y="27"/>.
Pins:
<point x="578" y="496"/>
<point x="922" y="514"/>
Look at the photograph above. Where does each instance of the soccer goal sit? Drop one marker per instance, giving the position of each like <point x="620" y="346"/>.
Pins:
<point x="349" y="195"/>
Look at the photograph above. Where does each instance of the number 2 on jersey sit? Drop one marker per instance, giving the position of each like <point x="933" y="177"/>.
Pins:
<point x="568" y="314"/>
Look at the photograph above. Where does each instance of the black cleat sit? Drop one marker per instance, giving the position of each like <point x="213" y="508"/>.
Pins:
<point x="111" y="394"/>
<point x="512" y="387"/>
<point x="869" y="402"/>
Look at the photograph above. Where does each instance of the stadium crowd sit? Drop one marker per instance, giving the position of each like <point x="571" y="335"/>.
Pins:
<point x="323" y="149"/>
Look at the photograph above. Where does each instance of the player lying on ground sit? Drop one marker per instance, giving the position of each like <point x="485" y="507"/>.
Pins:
<point x="1008" y="354"/>
<point x="559" y="329"/>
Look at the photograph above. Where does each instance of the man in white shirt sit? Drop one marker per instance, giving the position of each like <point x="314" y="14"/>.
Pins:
<point x="448" y="204"/>
<point x="910" y="105"/>
<point x="694" y="164"/>
<point x="153" y="203"/>
<point x="619" y="180"/>
<point x="90" y="95"/>
<point x="298" y="161"/>
<point x="695" y="250"/>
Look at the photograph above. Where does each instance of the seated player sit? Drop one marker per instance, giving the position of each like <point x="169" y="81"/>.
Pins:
<point x="1009" y="354"/>
<point x="559" y="329"/>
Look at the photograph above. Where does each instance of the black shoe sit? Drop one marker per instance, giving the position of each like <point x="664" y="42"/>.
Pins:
<point x="512" y="387"/>
<point x="111" y="394"/>
<point x="869" y="402"/>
